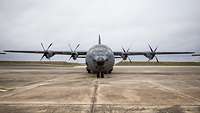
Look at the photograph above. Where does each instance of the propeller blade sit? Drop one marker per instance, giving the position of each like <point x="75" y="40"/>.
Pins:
<point x="70" y="47"/>
<point x="76" y="47"/>
<point x="70" y="58"/>
<point x="43" y="46"/>
<point x="150" y="48"/>
<point x="155" y="49"/>
<point x="66" y="60"/>
<point x="42" y="57"/>
<point x="157" y="59"/>
<point x="129" y="59"/>
<point x="49" y="46"/>
<point x="123" y="50"/>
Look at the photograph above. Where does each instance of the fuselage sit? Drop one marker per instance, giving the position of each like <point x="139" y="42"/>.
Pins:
<point x="100" y="58"/>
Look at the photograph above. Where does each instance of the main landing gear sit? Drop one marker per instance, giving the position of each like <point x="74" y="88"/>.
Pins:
<point x="100" y="75"/>
<point x="89" y="71"/>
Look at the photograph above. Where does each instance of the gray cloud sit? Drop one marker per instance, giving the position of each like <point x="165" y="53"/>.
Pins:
<point x="173" y="25"/>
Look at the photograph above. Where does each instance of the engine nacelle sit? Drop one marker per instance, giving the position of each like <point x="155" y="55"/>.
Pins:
<point x="74" y="55"/>
<point x="150" y="56"/>
<point x="48" y="54"/>
<point x="124" y="56"/>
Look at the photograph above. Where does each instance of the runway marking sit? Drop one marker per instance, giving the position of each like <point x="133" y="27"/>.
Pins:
<point x="29" y="87"/>
<point x="94" y="98"/>
<point x="23" y="89"/>
<point x="3" y="90"/>
<point x="52" y="103"/>
<point x="165" y="88"/>
<point x="79" y="67"/>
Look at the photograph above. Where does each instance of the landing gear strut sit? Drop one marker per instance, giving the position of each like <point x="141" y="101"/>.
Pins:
<point x="110" y="71"/>
<point x="100" y="74"/>
<point x="89" y="71"/>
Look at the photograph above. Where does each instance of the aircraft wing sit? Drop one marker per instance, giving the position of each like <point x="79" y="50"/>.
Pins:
<point x="54" y="52"/>
<point x="144" y="53"/>
<point x="84" y="52"/>
<point x="196" y="54"/>
<point x="2" y="53"/>
<point x="13" y="51"/>
<point x="162" y="53"/>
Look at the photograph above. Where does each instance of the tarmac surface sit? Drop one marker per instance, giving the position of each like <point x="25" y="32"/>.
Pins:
<point x="129" y="89"/>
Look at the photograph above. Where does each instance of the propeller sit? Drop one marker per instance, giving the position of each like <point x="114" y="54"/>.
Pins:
<point x="48" y="54"/>
<point x="125" y="54"/>
<point x="74" y="54"/>
<point x="152" y="53"/>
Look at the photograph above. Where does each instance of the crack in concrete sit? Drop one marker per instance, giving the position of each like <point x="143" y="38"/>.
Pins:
<point x="175" y="91"/>
<point x="29" y="87"/>
<point x="94" y="97"/>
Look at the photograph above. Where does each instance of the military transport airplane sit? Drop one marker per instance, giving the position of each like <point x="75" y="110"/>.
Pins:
<point x="100" y="58"/>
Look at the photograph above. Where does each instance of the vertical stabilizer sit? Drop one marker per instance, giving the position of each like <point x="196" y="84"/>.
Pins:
<point x="99" y="39"/>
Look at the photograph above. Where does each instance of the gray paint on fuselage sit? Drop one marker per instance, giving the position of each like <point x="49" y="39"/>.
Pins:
<point x="97" y="52"/>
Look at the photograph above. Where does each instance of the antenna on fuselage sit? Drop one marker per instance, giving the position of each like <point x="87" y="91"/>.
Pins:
<point x="99" y="39"/>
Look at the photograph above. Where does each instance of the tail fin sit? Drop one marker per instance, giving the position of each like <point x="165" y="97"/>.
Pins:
<point x="99" y="39"/>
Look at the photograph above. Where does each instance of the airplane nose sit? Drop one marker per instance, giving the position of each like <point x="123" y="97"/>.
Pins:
<point x="100" y="60"/>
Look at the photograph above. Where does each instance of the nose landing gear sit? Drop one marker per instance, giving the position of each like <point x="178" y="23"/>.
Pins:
<point x="100" y="75"/>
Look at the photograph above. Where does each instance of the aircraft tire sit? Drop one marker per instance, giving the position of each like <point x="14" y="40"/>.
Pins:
<point x="110" y="71"/>
<point x="102" y="75"/>
<point x="98" y="74"/>
<point x="89" y="71"/>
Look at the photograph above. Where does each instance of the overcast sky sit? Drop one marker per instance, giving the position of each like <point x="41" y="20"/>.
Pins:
<point x="173" y="25"/>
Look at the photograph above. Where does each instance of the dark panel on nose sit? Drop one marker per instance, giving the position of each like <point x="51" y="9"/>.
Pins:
<point x="100" y="62"/>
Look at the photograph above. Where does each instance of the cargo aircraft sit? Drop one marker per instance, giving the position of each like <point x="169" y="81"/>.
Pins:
<point x="100" y="59"/>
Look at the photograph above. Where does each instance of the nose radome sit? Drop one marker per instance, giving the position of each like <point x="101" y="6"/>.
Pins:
<point x="100" y="59"/>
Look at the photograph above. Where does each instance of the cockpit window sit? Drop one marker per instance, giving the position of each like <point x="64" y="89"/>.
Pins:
<point x="100" y="50"/>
